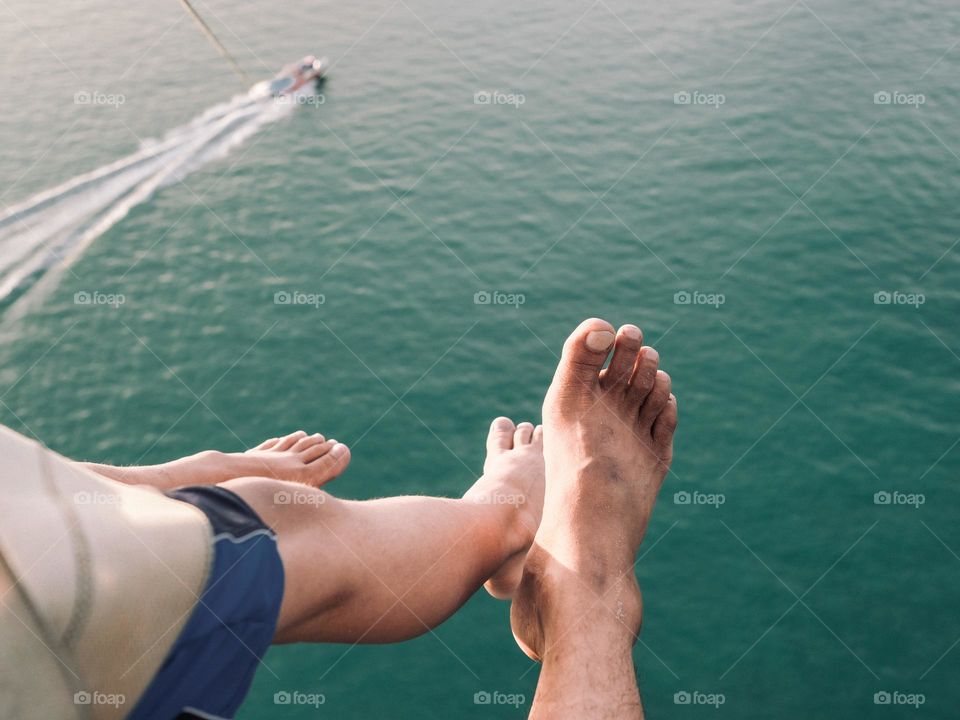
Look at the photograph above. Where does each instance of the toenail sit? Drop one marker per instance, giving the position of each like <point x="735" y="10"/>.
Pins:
<point x="651" y="354"/>
<point x="599" y="340"/>
<point x="631" y="331"/>
<point x="338" y="450"/>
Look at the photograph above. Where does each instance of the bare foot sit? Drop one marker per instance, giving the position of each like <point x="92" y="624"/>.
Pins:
<point x="298" y="457"/>
<point x="608" y="443"/>
<point x="512" y="477"/>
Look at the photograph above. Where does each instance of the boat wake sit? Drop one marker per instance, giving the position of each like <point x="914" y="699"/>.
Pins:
<point x="43" y="235"/>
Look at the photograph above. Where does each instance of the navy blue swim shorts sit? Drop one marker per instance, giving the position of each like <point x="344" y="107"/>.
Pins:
<point x="210" y="667"/>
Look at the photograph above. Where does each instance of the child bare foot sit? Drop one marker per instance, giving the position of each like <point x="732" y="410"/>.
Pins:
<point x="513" y="477"/>
<point x="608" y="439"/>
<point x="298" y="457"/>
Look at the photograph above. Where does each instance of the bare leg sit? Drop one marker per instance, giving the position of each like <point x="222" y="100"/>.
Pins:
<point x="390" y="569"/>
<point x="310" y="459"/>
<point x="608" y="438"/>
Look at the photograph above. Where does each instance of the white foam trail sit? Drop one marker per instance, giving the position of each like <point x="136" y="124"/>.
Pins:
<point x="43" y="235"/>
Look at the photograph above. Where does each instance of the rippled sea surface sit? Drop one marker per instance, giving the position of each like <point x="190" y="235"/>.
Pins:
<point x="786" y="239"/>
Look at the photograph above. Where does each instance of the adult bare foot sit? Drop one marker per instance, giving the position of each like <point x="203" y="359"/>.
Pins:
<point x="513" y="477"/>
<point x="608" y="443"/>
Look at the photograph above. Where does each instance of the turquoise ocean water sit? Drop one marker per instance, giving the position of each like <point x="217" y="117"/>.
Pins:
<point x="786" y="238"/>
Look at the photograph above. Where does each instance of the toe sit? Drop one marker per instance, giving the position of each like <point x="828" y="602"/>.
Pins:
<point x="627" y="345"/>
<point x="664" y="426"/>
<point x="288" y="441"/>
<point x="266" y="444"/>
<point x="656" y="400"/>
<point x="523" y="435"/>
<point x="537" y="435"/>
<point x="328" y="466"/>
<point x="309" y="441"/>
<point x="500" y="437"/>
<point x="644" y="375"/>
<point x="584" y="352"/>
<point x="317" y="450"/>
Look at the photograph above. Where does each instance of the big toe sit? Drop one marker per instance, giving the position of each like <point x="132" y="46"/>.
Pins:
<point x="326" y="467"/>
<point x="584" y="353"/>
<point x="500" y="437"/>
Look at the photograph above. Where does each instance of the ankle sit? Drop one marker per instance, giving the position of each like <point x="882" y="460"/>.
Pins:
<point x="573" y="602"/>
<point x="210" y="457"/>
<point x="599" y="560"/>
<point x="205" y="467"/>
<point x="505" y="518"/>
